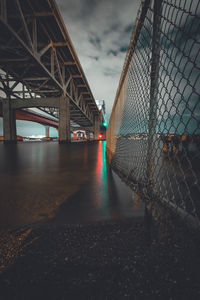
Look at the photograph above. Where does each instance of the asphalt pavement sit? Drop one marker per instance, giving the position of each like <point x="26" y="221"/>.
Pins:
<point x="102" y="260"/>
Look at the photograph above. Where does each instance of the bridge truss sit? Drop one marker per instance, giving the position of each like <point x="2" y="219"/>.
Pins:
<point x="40" y="68"/>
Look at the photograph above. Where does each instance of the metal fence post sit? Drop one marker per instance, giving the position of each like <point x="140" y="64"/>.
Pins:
<point x="157" y="10"/>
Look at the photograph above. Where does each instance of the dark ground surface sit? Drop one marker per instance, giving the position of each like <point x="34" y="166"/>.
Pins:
<point x="105" y="260"/>
<point x="62" y="256"/>
<point x="72" y="182"/>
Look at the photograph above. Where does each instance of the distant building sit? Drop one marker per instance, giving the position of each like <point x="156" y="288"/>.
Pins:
<point x="101" y="106"/>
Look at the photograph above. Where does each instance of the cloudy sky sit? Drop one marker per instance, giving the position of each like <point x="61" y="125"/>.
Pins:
<point x="100" y="32"/>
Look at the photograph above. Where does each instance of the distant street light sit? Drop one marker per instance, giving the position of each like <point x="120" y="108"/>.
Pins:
<point x="105" y="124"/>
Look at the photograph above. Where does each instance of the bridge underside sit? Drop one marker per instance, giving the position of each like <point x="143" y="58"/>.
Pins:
<point x="40" y="68"/>
<point x="31" y="116"/>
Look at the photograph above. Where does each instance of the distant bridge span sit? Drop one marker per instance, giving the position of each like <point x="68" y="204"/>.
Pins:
<point x="27" y="115"/>
<point x="40" y="68"/>
<point x="33" y="117"/>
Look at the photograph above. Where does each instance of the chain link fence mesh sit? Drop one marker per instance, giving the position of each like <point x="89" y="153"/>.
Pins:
<point x="153" y="137"/>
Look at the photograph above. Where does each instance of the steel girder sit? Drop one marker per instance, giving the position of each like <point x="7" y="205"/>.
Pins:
<point x="38" y="59"/>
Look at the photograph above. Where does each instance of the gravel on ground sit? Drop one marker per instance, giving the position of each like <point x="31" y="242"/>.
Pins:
<point x="105" y="260"/>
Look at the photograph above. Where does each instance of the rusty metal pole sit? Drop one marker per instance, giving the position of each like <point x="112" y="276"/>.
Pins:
<point x="157" y="10"/>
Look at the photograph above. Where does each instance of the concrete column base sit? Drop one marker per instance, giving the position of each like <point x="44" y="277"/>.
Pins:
<point x="9" y="123"/>
<point x="64" y="121"/>
<point x="47" y="131"/>
<point x="64" y="142"/>
<point x="10" y="142"/>
<point x="96" y="128"/>
<point x="87" y="135"/>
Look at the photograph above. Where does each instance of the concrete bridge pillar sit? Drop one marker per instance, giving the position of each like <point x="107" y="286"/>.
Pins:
<point x="47" y="131"/>
<point x="64" y="120"/>
<point x="9" y="123"/>
<point x="87" y="135"/>
<point x="97" y="123"/>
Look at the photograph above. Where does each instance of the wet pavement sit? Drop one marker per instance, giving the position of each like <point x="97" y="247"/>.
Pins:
<point x="66" y="183"/>
<point x="70" y="229"/>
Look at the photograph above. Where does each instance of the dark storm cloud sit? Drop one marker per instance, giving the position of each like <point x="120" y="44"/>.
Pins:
<point x="123" y="48"/>
<point x="77" y="8"/>
<point x="128" y="28"/>
<point x="112" y="52"/>
<point x="94" y="57"/>
<point x="112" y="27"/>
<point x="88" y="7"/>
<point x="95" y="41"/>
<point x="109" y="72"/>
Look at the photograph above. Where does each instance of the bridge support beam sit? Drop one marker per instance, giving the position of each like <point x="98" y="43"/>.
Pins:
<point x="64" y="120"/>
<point x="9" y="123"/>
<point x="97" y="124"/>
<point x="47" y="131"/>
<point x="87" y="135"/>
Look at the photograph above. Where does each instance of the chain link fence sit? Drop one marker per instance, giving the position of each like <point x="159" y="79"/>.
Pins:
<point x="153" y="137"/>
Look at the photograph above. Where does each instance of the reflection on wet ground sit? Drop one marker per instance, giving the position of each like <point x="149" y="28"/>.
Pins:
<point x="65" y="183"/>
<point x="58" y="259"/>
